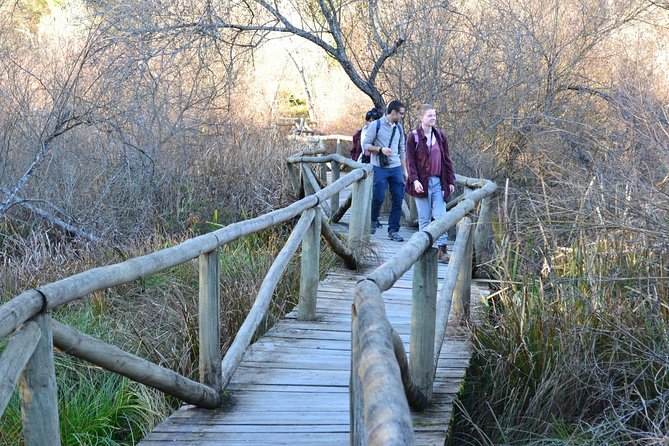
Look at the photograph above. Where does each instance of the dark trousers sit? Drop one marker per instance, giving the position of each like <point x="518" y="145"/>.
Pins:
<point x="392" y="177"/>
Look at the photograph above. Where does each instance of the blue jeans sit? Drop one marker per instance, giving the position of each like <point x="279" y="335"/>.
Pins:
<point x="394" y="178"/>
<point x="432" y="206"/>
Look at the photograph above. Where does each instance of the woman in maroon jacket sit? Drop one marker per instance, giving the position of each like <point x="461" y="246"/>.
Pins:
<point x="431" y="178"/>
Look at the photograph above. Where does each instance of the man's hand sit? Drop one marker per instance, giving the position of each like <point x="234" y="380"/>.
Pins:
<point x="451" y="189"/>
<point x="386" y="151"/>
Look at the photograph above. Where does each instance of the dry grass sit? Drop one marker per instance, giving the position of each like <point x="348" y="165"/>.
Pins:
<point x="576" y="350"/>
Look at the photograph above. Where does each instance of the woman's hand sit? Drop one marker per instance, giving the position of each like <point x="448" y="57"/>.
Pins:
<point x="418" y="187"/>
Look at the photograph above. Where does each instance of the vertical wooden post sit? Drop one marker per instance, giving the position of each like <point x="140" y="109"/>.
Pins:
<point x="462" y="291"/>
<point x="482" y="232"/>
<point x="209" y="320"/>
<point x="423" y="319"/>
<point x="355" y="387"/>
<point x="39" y="398"/>
<point x="369" y="189"/>
<point x="334" y="200"/>
<point x="323" y="166"/>
<point x="310" y="271"/>
<point x="294" y="179"/>
<point x="359" y="211"/>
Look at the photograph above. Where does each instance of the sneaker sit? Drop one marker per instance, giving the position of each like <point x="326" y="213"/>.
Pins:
<point x="378" y="224"/>
<point x="372" y="230"/>
<point x="395" y="236"/>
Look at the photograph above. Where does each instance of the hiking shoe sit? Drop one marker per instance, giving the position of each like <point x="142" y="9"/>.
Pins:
<point x="372" y="230"/>
<point x="395" y="236"/>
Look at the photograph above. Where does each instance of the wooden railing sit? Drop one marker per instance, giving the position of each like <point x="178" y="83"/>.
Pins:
<point x="384" y="383"/>
<point x="28" y="360"/>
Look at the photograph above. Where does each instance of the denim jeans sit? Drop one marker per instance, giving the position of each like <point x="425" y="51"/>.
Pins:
<point x="432" y="206"/>
<point x="394" y="178"/>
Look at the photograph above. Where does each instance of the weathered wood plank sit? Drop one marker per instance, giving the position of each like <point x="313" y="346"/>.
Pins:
<point x="293" y="384"/>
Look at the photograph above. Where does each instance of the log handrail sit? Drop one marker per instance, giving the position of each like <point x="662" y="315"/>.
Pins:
<point x="29" y="351"/>
<point x="385" y="382"/>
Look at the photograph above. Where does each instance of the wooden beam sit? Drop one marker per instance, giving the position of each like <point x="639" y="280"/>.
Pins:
<point x="26" y="305"/>
<point x="14" y="358"/>
<point x="337" y="246"/>
<point x="209" y="316"/>
<point x="310" y="270"/>
<point x="260" y="306"/>
<point x="20" y="309"/>
<point x="335" y="168"/>
<point x="342" y="209"/>
<point x="39" y="399"/>
<point x="357" y="222"/>
<point x="423" y="314"/>
<point x="138" y="369"/>
<point x="416" y="397"/>
<point x="385" y="411"/>
<point x="445" y="298"/>
<point x="463" y="284"/>
<point x="483" y="232"/>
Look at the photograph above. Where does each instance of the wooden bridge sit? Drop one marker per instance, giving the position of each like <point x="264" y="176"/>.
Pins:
<point x="333" y="371"/>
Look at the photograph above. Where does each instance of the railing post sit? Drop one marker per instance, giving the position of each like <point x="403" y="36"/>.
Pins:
<point x="482" y="232"/>
<point x="39" y="399"/>
<point x="423" y="319"/>
<point x="310" y="270"/>
<point x="355" y="387"/>
<point x="463" y="284"/>
<point x="209" y="320"/>
<point x="369" y="190"/>
<point x="334" y="200"/>
<point x="359" y="223"/>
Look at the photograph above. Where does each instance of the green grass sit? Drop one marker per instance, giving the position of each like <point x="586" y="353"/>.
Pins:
<point x="95" y="407"/>
<point x="156" y="318"/>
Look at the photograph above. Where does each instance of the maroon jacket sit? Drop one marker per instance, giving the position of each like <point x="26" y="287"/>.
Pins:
<point x="418" y="162"/>
<point x="356" y="148"/>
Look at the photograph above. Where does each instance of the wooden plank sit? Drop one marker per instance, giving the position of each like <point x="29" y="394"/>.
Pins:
<point x="246" y="439"/>
<point x="291" y="386"/>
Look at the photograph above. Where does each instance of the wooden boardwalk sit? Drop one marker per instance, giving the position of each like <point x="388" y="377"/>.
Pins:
<point x="292" y="385"/>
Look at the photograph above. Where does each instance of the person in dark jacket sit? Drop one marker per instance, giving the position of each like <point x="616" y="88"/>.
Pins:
<point x="359" y="136"/>
<point x="430" y="172"/>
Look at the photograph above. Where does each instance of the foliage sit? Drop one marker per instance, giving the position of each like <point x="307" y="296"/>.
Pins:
<point x="95" y="407"/>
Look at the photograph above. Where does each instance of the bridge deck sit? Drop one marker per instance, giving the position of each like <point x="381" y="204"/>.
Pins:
<point x="292" y="386"/>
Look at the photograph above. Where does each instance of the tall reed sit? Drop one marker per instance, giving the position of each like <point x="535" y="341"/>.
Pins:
<point x="575" y="349"/>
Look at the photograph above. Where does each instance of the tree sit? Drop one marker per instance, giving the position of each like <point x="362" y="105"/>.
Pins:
<point x="341" y="28"/>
